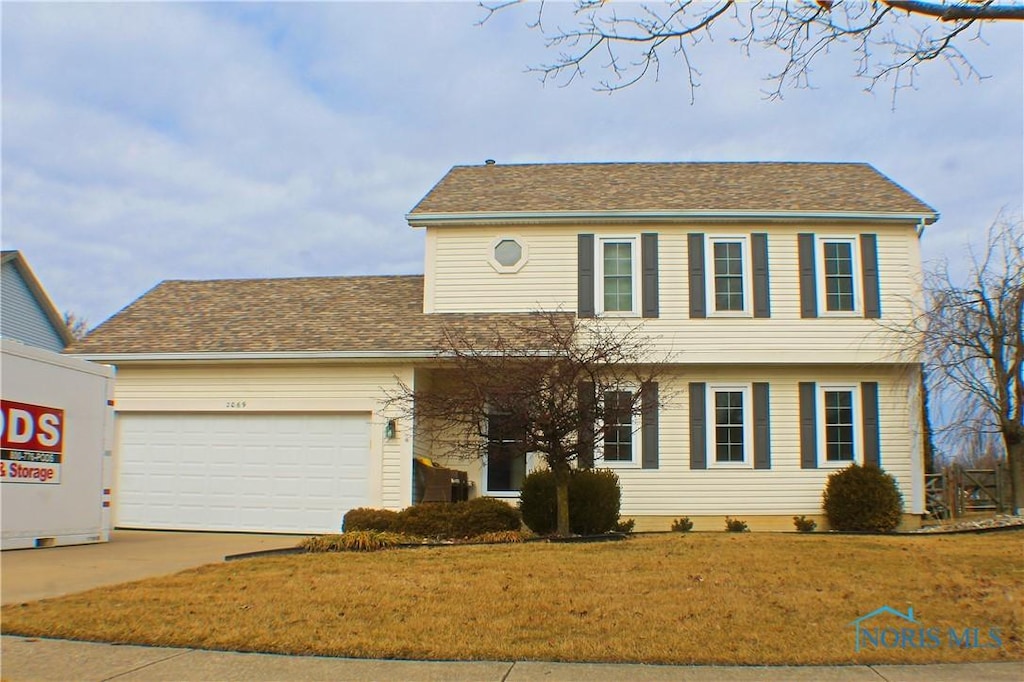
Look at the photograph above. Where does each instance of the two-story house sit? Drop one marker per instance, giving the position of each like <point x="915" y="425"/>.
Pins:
<point x="768" y="290"/>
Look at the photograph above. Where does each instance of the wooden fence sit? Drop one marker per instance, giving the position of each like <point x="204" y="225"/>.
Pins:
<point x="957" y="491"/>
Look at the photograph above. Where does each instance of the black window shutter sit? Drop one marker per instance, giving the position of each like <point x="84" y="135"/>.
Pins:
<point x="762" y="433"/>
<point x="649" y="424"/>
<point x="649" y="268"/>
<point x="808" y="284"/>
<point x="869" y="420"/>
<point x="759" y="254"/>
<point x="695" y="258"/>
<point x="585" y="460"/>
<point x="869" y="267"/>
<point x="698" y="427"/>
<point x="808" y="426"/>
<point x="585" y="270"/>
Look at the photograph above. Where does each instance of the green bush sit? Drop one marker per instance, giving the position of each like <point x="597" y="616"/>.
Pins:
<point x="430" y="520"/>
<point x="537" y="502"/>
<point x="683" y="525"/>
<point x="483" y="515"/>
<point x="862" y="499"/>
<point x="735" y="525"/>
<point x="804" y="524"/>
<point x="594" y="501"/>
<point x="365" y="518"/>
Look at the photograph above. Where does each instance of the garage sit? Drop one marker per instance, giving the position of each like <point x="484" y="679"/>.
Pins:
<point x="260" y="472"/>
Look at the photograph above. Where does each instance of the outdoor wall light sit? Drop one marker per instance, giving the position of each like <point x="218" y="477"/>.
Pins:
<point x="389" y="429"/>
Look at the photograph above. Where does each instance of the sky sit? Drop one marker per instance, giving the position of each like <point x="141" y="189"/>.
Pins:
<point x="146" y="141"/>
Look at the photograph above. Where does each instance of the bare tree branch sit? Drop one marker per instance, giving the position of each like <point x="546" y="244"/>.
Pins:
<point x="891" y="38"/>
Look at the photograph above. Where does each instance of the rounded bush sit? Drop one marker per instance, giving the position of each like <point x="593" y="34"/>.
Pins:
<point x="594" y="501"/>
<point x="862" y="499"/>
<point x="537" y="502"/>
<point x="364" y="518"/>
<point x="429" y="520"/>
<point x="483" y="515"/>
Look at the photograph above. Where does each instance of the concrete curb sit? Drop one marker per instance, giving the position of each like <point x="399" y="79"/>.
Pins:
<point x="28" y="658"/>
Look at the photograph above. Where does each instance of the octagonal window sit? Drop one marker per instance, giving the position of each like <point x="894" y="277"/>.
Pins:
<point x="508" y="252"/>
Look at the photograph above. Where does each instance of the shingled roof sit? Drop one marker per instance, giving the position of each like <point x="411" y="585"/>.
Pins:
<point x="681" y="188"/>
<point x="356" y="315"/>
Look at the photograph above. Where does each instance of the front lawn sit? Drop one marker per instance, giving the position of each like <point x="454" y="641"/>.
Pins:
<point x="680" y="598"/>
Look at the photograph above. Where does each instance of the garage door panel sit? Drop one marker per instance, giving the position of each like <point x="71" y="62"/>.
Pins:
<point x="265" y="472"/>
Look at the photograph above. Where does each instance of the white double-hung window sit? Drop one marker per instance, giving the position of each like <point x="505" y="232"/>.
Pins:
<point x="617" y="275"/>
<point x="838" y="283"/>
<point x="728" y="262"/>
<point x="839" y="434"/>
<point x="730" y="426"/>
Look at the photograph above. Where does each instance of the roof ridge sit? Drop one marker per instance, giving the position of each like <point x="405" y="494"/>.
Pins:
<point x="288" y="279"/>
<point x="663" y="163"/>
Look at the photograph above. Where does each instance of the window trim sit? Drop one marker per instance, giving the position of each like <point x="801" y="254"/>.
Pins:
<point x="636" y="431"/>
<point x="710" y="423"/>
<point x="858" y="426"/>
<point x="709" y="274"/>
<point x="856" y="275"/>
<point x="635" y="276"/>
<point x="508" y="269"/>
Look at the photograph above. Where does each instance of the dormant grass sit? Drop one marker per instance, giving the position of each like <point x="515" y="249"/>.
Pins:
<point x="695" y="598"/>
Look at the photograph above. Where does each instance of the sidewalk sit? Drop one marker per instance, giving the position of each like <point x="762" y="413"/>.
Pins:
<point x="50" y="659"/>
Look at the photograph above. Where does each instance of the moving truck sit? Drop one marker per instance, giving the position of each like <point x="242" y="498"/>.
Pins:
<point x="57" y="423"/>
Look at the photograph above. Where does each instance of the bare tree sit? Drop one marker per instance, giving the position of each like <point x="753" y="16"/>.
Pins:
<point x="890" y="38"/>
<point x="565" y="385"/>
<point x="78" y="326"/>
<point x="973" y="343"/>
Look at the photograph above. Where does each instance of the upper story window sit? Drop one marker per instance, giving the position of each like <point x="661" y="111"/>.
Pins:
<point x="729" y="265"/>
<point x="617" y="277"/>
<point x="838" y="275"/>
<point x="837" y="279"/>
<point x="507" y="254"/>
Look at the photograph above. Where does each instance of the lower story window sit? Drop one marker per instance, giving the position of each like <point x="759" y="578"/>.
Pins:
<point x="618" y="426"/>
<point x="840" y="445"/>
<point x="729" y="436"/>
<point x="506" y="458"/>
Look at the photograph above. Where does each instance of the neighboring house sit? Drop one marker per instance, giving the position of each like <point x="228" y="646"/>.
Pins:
<point x="27" y="314"/>
<point x="767" y="288"/>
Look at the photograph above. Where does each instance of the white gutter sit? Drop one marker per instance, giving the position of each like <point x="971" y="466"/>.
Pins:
<point x="114" y="358"/>
<point x="424" y="219"/>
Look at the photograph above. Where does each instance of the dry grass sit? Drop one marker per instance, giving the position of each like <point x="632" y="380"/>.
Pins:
<point x="676" y="598"/>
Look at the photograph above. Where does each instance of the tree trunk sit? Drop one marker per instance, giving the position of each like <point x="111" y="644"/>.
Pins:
<point x="1013" y="439"/>
<point x="561" y="472"/>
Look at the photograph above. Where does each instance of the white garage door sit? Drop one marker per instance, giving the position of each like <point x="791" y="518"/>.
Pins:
<point x="294" y="473"/>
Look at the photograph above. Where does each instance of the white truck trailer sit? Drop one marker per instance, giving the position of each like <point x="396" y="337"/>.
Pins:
<point x="57" y="424"/>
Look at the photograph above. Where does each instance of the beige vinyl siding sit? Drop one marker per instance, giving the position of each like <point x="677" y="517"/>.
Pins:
<point x="275" y="388"/>
<point x="462" y="280"/>
<point x="675" y="489"/>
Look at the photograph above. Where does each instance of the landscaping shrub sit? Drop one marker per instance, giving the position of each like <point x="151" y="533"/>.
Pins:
<point x="862" y="499"/>
<point x="625" y="526"/>
<point x="683" y="525"/>
<point x="735" y="525"/>
<point x="594" y="500"/>
<point x="353" y="541"/>
<point x="804" y="524"/>
<point x="365" y="518"/>
<point x="483" y="515"/>
<point x="537" y="502"/>
<point x="501" y="536"/>
<point x="431" y="520"/>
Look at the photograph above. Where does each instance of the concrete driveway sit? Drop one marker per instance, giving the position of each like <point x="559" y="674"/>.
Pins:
<point x="30" y="574"/>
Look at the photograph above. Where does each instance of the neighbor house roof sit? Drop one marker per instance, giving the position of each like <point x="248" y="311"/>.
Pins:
<point x="666" y="191"/>
<point x="42" y="300"/>
<point x="335" y="316"/>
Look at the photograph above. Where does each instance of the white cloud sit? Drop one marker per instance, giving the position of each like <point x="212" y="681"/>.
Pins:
<point x="152" y="141"/>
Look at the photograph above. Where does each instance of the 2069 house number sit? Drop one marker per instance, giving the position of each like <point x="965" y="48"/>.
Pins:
<point x="235" y="404"/>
